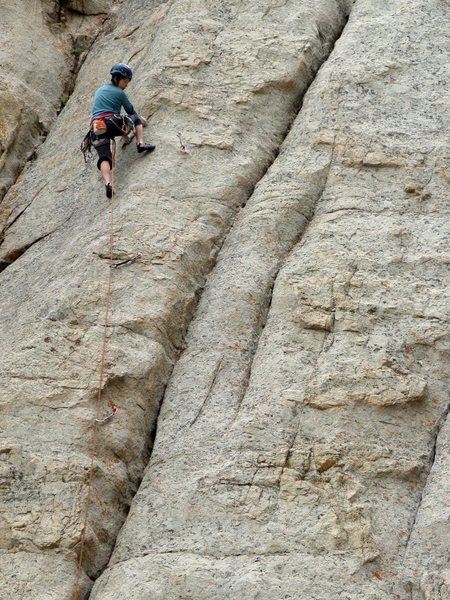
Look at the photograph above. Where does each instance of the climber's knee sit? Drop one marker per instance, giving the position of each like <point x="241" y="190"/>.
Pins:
<point x="103" y="148"/>
<point x="136" y="119"/>
<point x="102" y="159"/>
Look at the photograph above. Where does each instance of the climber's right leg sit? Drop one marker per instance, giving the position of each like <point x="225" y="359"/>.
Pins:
<point x="104" y="163"/>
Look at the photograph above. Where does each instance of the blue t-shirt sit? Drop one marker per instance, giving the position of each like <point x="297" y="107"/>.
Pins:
<point x="109" y="99"/>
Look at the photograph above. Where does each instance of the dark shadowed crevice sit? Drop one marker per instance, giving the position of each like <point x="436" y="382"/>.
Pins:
<point x="427" y="472"/>
<point x="81" y="47"/>
<point x="266" y="297"/>
<point x="11" y="257"/>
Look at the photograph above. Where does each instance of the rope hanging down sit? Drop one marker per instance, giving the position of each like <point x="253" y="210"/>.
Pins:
<point x="99" y="421"/>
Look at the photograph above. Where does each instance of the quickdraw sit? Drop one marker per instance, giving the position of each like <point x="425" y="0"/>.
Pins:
<point x="86" y="146"/>
<point x="115" y="410"/>
<point x="183" y="144"/>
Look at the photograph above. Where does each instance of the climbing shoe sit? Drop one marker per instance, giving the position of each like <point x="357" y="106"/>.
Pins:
<point x="145" y="147"/>
<point x="108" y="189"/>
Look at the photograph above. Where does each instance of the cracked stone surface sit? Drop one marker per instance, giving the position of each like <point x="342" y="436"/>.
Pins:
<point x="280" y="314"/>
<point x="427" y="572"/>
<point x="233" y="92"/>
<point x="297" y="432"/>
<point x="36" y="70"/>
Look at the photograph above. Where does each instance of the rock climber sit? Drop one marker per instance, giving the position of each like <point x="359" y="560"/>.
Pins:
<point x="107" y="122"/>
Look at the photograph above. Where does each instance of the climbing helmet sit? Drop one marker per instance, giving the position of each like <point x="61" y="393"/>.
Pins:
<point x="121" y="70"/>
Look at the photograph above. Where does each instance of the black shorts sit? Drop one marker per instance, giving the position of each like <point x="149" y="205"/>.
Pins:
<point x="103" y="148"/>
<point x="116" y="125"/>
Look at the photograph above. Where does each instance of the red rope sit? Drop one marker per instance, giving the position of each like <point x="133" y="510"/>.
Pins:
<point x="98" y="421"/>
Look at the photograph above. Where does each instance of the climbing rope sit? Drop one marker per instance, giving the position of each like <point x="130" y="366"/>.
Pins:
<point x="99" y="421"/>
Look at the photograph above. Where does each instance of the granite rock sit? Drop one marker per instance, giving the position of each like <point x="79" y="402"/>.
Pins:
<point x="295" y="453"/>
<point x="232" y="92"/>
<point x="42" y="46"/>
<point x="278" y="339"/>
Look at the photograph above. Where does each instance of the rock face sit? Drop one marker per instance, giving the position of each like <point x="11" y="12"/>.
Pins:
<point x="279" y="314"/>
<point x="41" y="45"/>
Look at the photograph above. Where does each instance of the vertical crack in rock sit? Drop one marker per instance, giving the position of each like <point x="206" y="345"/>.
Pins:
<point x="298" y="234"/>
<point x="79" y="59"/>
<point x="72" y="51"/>
<point x="324" y="460"/>
<point x="319" y="186"/>
<point x="264" y="309"/>
<point x="425" y="558"/>
<point x="319" y="183"/>
<point x="434" y="442"/>
<point x="289" y="225"/>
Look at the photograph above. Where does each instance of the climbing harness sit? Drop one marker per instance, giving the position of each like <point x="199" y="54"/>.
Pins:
<point x="98" y="419"/>
<point x="122" y="124"/>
